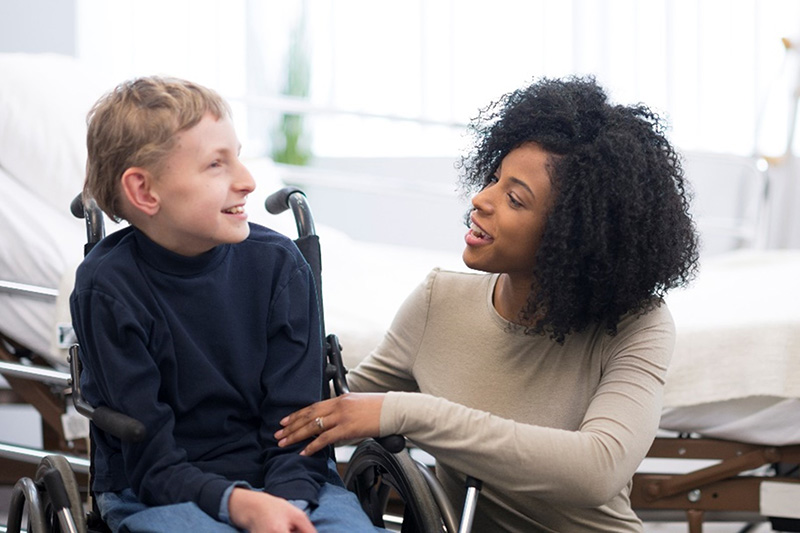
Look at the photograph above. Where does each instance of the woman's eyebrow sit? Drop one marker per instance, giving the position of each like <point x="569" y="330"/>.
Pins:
<point x="522" y="184"/>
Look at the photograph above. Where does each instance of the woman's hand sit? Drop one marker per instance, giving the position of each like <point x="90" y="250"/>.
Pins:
<point x="350" y="416"/>
<point x="259" y="512"/>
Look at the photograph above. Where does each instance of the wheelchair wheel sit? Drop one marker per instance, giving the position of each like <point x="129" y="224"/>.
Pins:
<point x="59" y="463"/>
<point x="374" y="472"/>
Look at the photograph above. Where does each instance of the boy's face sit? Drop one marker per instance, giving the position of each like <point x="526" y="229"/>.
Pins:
<point x="202" y="190"/>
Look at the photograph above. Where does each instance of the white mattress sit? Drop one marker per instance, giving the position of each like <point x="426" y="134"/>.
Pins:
<point x="735" y="373"/>
<point x="42" y="157"/>
<point x="38" y="245"/>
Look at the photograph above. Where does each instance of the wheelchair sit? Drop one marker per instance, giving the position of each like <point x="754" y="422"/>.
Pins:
<point x="381" y="472"/>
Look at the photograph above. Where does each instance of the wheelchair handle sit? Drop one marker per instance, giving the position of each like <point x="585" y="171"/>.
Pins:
<point x="76" y="206"/>
<point x="281" y="200"/>
<point x="92" y="215"/>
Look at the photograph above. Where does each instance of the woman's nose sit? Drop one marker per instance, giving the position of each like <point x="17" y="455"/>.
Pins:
<point x="482" y="200"/>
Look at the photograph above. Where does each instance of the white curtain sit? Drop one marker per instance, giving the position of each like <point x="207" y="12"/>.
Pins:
<point x="716" y="68"/>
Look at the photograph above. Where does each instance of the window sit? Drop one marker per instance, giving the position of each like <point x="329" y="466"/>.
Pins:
<point x="401" y="78"/>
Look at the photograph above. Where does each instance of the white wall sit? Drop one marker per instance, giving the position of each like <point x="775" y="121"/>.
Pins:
<point x="710" y="64"/>
<point x="403" y="201"/>
<point x="38" y="26"/>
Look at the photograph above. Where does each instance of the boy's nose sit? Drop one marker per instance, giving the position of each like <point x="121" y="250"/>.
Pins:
<point x="244" y="180"/>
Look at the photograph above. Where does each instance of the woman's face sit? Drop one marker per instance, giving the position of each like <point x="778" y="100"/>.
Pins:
<point x="509" y="214"/>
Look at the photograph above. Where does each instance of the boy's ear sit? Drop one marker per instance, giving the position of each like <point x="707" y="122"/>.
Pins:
<point x="137" y="187"/>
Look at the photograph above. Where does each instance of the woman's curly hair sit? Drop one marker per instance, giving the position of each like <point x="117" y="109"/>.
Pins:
<point x="619" y="233"/>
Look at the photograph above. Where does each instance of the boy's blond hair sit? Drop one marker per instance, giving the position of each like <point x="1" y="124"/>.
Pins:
<point x="135" y="125"/>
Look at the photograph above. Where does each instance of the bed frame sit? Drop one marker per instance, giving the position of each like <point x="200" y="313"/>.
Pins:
<point x="747" y="482"/>
<point x="34" y="382"/>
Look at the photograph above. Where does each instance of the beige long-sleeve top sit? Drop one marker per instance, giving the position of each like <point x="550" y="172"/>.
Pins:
<point x="555" y="431"/>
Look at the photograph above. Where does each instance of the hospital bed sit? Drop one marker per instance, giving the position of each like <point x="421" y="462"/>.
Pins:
<point x="731" y="399"/>
<point x="738" y="326"/>
<point x="731" y="421"/>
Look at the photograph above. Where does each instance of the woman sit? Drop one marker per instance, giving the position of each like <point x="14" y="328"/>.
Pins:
<point x="543" y="377"/>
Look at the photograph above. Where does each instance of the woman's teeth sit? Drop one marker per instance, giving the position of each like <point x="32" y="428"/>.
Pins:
<point x="235" y="210"/>
<point x="478" y="232"/>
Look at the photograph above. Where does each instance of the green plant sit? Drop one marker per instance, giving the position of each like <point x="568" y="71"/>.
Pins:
<point x="290" y="141"/>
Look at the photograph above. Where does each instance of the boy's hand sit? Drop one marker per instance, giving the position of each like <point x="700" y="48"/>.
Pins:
<point x="350" y="416"/>
<point x="259" y="512"/>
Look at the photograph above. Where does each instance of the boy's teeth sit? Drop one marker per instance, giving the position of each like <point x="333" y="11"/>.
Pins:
<point x="235" y="210"/>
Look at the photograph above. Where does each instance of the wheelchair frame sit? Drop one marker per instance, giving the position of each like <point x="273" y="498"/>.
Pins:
<point x="382" y="465"/>
<point x="52" y="497"/>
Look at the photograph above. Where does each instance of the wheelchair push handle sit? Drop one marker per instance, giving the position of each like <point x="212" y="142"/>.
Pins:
<point x="294" y="198"/>
<point x="76" y="206"/>
<point x="92" y="216"/>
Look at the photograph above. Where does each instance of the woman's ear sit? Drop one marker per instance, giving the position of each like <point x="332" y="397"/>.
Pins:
<point x="137" y="187"/>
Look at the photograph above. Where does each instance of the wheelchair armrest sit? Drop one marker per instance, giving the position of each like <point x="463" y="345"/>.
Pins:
<point x="121" y="426"/>
<point x="392" y="443"/>
<point x="336" y="371"/>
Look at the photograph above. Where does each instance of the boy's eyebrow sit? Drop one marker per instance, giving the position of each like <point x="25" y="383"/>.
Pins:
<point x="225" y="149"/>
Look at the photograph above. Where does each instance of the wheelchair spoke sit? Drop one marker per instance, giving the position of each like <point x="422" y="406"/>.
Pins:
<point x="374" y="473"/>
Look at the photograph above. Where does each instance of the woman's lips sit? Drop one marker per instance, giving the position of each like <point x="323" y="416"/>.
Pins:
<point x="476" y="236"/>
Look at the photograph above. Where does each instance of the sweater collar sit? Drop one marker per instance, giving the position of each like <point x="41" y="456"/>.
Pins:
<point x="169" y="262"/>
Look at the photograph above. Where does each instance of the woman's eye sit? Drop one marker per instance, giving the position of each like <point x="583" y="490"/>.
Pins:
<point x="513" y="201"/>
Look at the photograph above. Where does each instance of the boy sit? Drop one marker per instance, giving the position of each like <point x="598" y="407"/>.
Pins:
<point x="202" y="326"/>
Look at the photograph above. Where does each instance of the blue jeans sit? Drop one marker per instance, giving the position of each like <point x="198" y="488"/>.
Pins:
<point x="338" y="512"/>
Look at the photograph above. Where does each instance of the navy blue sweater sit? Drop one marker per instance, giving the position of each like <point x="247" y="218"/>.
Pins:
<point x="209" y="352"/>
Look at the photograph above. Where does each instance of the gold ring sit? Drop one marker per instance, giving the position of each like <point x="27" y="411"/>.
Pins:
<point x="320" y="425"/>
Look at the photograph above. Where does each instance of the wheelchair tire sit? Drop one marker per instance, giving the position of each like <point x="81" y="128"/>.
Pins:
<point x="60" y="464"/>
<point x="373" y="473"/>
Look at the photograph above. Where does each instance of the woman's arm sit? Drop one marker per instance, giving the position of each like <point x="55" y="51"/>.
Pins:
<point x="585" y="467"/>
<point x="347" y="417"/>
<point x="389" y="367"/>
